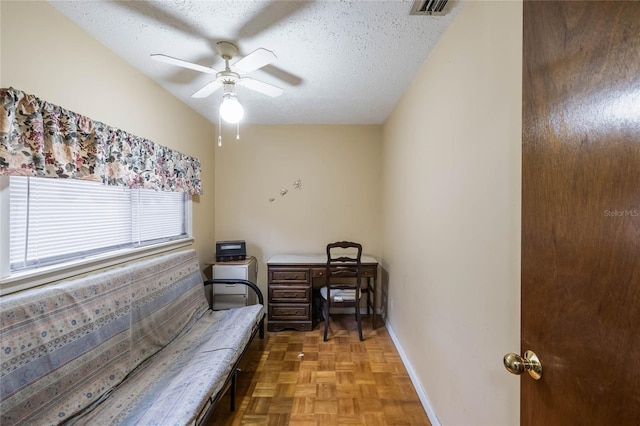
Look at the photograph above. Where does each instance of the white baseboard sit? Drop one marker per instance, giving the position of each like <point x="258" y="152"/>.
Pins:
<point x="414" y="379"/>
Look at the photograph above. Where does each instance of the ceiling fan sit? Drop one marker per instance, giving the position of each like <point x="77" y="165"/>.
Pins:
<point x="230" y="109"/>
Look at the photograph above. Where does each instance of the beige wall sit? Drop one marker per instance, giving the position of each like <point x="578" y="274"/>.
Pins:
<point x="45" y="54"/>
<point x="339" y="167"/>
<point x="451" y="217"/>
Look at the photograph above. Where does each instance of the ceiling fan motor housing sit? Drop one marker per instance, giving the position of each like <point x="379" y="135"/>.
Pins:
<point x="228" y="77"/>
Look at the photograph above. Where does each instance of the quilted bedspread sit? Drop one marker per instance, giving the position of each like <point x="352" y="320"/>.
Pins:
<point x="131" y="344"/>
<point x="173" y="387"/>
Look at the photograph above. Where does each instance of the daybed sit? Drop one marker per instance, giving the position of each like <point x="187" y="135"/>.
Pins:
<point x="135" y="344"/>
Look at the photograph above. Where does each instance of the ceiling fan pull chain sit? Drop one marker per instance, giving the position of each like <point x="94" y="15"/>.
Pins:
<point x="219" y="131"/>
<point x="238" y="130"/>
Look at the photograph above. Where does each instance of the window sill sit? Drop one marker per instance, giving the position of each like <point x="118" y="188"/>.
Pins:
<point x="50" y="274"/>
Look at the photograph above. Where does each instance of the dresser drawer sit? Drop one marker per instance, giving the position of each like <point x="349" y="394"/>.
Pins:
<point x="230" y="289"/>
<point x="288" y="275"/>
<point x="367" y="272"/>
<point x="289" y="312"/>
<point x="289" y="294"/>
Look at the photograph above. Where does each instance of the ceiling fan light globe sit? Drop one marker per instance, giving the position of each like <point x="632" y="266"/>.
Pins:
<point x="230" y="110"/>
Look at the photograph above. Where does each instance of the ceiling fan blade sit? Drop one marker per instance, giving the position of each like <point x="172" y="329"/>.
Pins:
<point x="260" y="86"/>
<point x="207" y="90"/>
<point x="184" y="64"/>
<point x="254" y="60"/>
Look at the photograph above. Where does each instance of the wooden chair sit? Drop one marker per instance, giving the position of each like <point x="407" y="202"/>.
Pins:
<point x="342" y="281"/>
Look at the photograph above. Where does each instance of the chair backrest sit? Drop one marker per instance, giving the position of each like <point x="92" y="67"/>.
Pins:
<point x="342" y="262"/>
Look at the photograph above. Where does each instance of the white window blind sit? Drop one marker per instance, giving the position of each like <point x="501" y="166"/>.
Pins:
<point x="57" y="220"/>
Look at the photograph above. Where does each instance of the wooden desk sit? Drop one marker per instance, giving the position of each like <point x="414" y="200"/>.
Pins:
<point x="290" y="285"/>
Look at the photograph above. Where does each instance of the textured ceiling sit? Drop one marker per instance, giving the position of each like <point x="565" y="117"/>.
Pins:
<point x="339" y="62"/>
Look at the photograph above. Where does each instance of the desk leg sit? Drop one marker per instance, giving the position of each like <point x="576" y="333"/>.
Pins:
<point x="368" y="294"/>
<point x="371" y="292"/>
<point x="373" y="308"/>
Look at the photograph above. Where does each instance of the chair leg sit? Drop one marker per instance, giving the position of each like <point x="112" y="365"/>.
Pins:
<point x="359" y="323"/>
<point x="326" y="320"/>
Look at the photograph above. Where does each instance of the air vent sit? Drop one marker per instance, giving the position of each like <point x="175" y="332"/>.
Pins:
<point x="429" y="7"/>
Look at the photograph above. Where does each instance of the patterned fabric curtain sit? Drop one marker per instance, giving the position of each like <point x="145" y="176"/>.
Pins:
<point x="40" y="139"/>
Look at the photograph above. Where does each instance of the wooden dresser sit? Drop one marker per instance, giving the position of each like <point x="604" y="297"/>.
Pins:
<point x="290" y="285"/>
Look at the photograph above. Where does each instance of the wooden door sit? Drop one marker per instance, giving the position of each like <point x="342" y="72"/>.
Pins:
<point x="581" y="212"/>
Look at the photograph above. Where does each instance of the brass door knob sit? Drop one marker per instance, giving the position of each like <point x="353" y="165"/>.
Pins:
<point x="515" y="364"/>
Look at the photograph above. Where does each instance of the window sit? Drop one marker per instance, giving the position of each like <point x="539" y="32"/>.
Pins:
<point x="52" y="222"/>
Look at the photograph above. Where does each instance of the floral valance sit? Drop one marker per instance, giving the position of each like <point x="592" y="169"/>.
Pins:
<point x="40" y="139"/>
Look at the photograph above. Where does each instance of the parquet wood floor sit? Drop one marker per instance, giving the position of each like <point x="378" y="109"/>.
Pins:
<point x="295" y="378"/>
